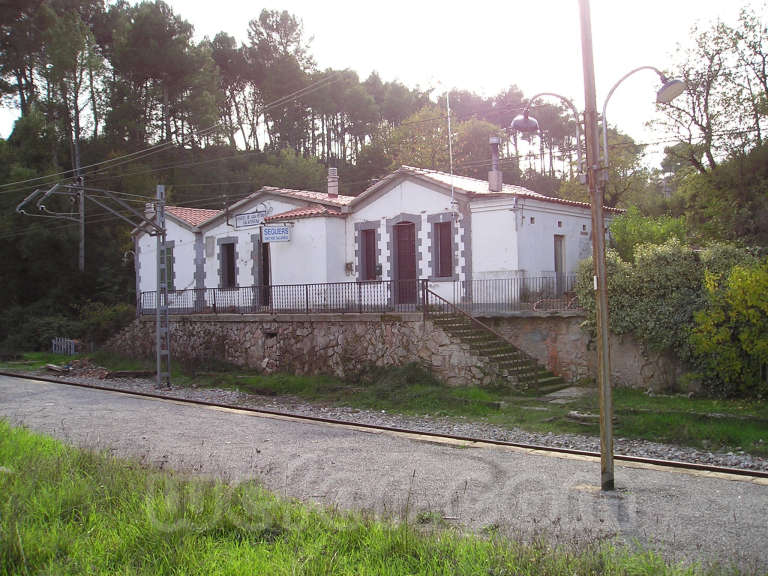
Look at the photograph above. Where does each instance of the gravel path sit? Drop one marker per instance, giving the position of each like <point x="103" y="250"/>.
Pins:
<point x="686" y="516"/>
<point x="454" y="426"/>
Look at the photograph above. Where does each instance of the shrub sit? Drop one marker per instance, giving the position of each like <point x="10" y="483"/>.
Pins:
<point x="654" y="297"/>
<point x="730" y="337"/>
<point x="36" y="332"/>
<point x="98" y="321"/>
<point x="632" y="229"/>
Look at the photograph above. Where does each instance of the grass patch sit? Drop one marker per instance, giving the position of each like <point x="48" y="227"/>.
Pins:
<point x="65" y="511"/>
<point x="30" y="361"/>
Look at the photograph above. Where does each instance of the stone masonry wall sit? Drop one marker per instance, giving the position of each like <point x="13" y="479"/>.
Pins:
<point x="344" y="345"/>
<point x="558" y="342"/>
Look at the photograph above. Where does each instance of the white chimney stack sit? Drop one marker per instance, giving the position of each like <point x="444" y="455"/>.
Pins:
<point x="333" y="183"/>
<point x="495" y="181"/>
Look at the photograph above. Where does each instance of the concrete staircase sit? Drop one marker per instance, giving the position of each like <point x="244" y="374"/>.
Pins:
<point x="512" y="364"/>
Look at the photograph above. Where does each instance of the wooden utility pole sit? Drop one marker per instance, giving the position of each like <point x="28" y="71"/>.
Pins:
<point x="594" y="182"/>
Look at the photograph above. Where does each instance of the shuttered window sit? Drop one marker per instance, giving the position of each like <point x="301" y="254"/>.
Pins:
<point x="368" y="240"/>
<point x="228" y="277"/>
<point x="443" y="244"/>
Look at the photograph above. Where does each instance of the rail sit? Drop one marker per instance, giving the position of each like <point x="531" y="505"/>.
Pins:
<point x="485" y="297"/>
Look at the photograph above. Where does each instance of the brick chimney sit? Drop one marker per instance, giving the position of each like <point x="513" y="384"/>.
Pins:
<point x="333" y="183"/>
<point x="494" y="176"/>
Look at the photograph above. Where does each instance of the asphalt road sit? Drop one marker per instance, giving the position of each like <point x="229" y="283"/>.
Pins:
<point x="685" y="516"/>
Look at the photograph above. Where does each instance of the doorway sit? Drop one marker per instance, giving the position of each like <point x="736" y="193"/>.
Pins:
<point x="559" y="265"/>
<point x="266" y="273"/>
<point x="405" y="263"/>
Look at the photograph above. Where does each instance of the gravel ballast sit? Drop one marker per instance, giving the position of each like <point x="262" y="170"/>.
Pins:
<point x="438" y="425"/>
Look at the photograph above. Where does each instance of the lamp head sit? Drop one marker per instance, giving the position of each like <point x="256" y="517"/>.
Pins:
<point x="524" y="123"/>
<point x="671" y="88"/>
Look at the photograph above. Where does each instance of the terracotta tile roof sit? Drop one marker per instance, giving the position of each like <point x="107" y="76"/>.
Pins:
<point x="321" y="197"/>
<point x="475" y="187"/>
<point x="304" y="212"/>
<point x="191" y="216"/>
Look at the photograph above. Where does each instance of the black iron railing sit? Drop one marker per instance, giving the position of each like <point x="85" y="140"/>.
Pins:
<point x="338" y="297"/>
<point x="476" y="297"/>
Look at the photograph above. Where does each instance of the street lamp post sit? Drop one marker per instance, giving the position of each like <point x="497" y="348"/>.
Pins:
<point x="596" y="179"/>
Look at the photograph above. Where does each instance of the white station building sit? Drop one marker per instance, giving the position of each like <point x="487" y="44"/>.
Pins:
<point x="414" y="224"/>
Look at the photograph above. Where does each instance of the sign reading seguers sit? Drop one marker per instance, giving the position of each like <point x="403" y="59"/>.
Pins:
<point x="276" y="234"/>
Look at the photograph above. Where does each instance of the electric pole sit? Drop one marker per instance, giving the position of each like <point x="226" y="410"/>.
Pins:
<point x="598" y="250"/>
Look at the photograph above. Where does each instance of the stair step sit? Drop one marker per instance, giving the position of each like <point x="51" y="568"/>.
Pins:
<point x="556" y="384"/>
<point x="525" y="370"/>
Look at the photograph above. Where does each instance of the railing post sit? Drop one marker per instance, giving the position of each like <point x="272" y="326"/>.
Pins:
<point x="424" y="304"/>
<point x="359" y="297"/>
<point x="306" y="297"/>
<point x="214" y="301"/>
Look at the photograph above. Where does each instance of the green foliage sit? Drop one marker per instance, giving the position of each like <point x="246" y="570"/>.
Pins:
<point x="709" y="308"/>
<point x="290" y="170"/>
<point x="99" y="321"/>
<point x="730" y="336"/>
<point x="654" y="298"/>
<point x="631" y="229"/>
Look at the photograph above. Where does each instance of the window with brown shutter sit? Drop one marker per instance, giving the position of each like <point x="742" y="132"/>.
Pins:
<point x="443" y="244"/>
<point x="368" y="240"/>
<point x="228" y="276"/>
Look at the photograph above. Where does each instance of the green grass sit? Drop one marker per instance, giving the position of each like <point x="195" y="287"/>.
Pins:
<point x="66" y="511"/>
<point x="707" y="424"/>
<point x="31" y="361"/>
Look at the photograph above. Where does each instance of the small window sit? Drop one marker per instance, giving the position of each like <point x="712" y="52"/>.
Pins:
<point x="443" y="246"/>
<point x="368" y="251"/>
<point x="533" y="220"/>
<point x="583" y="227"/>
<point x="559" y="223"/>
<point x="228" y="277"/>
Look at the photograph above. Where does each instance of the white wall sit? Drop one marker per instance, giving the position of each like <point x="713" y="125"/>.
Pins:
<point x="183" y="254"/>
<point x="244" y="248"/>
<point x="335" y="249"/>
<point x="409" y="197"/>
<point x="304" y="259"/>
<point x="536" y="241"/>
<point x="494" y="239"/>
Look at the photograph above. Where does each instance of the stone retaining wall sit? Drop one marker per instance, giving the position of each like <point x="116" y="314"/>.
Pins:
<point x="343" y="345"/>
<point x="559" y="343"/>
<point x="346" y="344"/>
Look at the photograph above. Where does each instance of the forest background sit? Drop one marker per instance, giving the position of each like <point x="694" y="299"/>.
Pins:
<point x="123" y="96"/>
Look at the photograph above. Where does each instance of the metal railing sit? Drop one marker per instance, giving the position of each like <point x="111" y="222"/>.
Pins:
<point x="476" y="297"/>
<point x="337" y="297"/>
<point x="505" y="295"/>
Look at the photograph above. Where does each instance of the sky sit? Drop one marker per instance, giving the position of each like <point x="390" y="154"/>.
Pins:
<point x="486" y="46"/>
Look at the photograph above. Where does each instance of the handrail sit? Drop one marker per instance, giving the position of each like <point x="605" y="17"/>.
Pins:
<point x="427" y="292"/>
<point x="478" y="297"/>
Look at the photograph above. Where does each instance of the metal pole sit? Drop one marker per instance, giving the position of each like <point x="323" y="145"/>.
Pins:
<point x="592" y="136"/>
<point x="81" y="255"/>
<point x="158" y="258"/>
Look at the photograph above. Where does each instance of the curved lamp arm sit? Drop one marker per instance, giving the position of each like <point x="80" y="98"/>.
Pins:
<point x="572" y="106"/>
<point x="670" y="89"/>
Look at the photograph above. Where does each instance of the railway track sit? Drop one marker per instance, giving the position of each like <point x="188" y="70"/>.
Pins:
<point x="692" y="466"/>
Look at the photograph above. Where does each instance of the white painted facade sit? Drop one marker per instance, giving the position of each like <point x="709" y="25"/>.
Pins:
<point x="501" y="235"/>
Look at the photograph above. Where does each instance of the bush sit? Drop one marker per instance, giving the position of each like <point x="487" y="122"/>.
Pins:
<point x="34" y="333"/>
<point x="632" y="229"/>
<point x="654" y="297"/>
<point x="730" y="337"/>
<point x="98" y="322"/>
